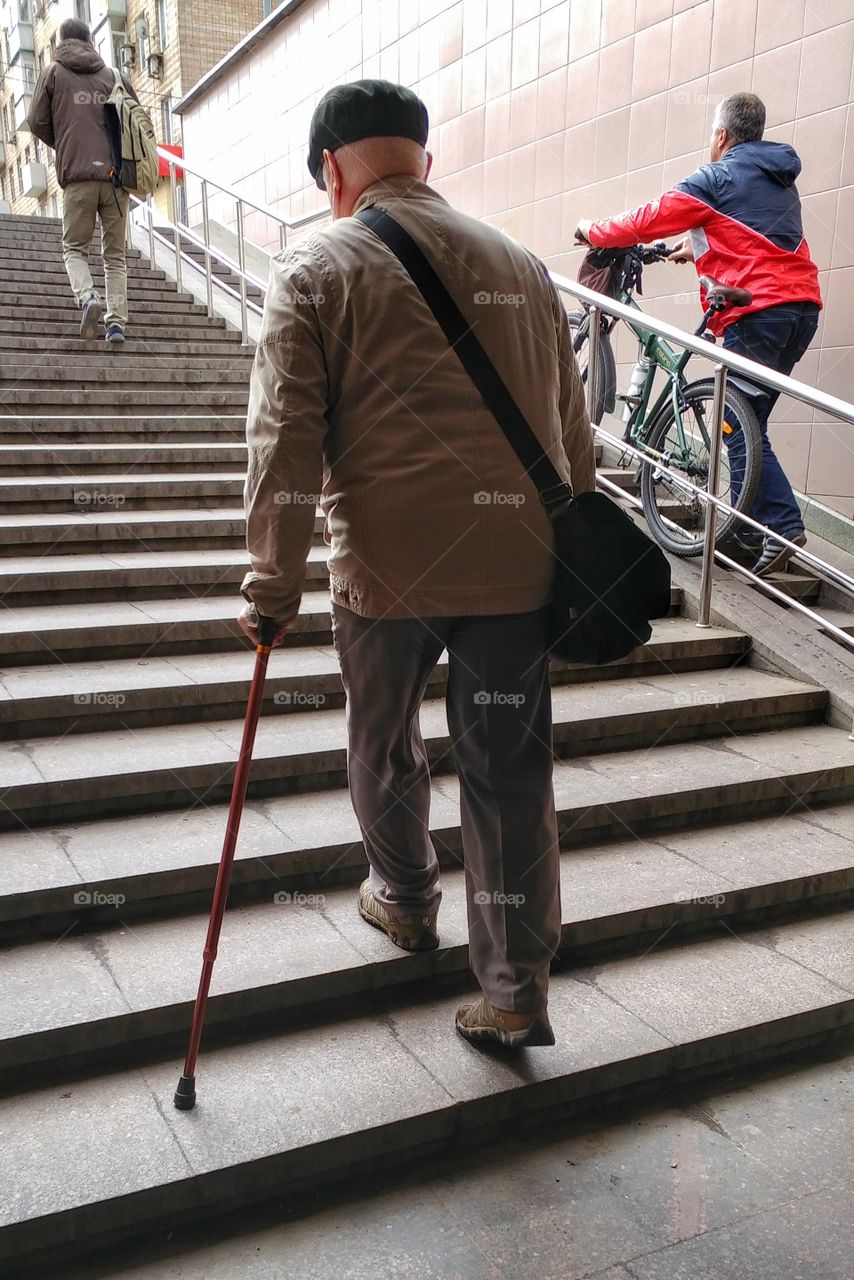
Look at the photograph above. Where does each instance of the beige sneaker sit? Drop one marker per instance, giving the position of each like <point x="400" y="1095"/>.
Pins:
<point x="480" y="1022"/>
<point x="410" y="933"/>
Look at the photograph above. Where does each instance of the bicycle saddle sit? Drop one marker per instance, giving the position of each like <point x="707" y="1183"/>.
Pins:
<point x="721" y="295"/>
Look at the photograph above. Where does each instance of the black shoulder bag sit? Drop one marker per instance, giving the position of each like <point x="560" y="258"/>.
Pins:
<point x="610" y="578"/>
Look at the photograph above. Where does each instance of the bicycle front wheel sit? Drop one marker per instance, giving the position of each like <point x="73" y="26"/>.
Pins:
<point x="676" y="516"/>
<point x="606" y="374"/>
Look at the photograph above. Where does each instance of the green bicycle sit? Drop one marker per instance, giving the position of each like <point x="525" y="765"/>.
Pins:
<point x="674" y="429"/>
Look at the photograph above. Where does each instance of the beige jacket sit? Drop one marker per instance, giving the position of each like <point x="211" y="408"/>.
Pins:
<point x="358" y="403"/>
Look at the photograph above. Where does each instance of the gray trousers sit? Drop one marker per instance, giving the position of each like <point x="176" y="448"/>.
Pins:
<point x="84" y="203"/>
<point x="500" y="721"/>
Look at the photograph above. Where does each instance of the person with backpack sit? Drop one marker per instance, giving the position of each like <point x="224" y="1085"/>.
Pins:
<point x="68" y="114"/>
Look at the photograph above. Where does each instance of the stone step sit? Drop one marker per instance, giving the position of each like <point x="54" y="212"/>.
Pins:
<point x="295" y="951"/>
<point x="131" y="376"/>
<point x="46" y="579"/>
<point x="144" y="324"/>
<point x="111" y="628"/>
<point x="128" y="770"/>
<point x="91" y="694"/>
<point x="320" y="1104"/>
<point x="46" y="398"/>
<point x="56" y="307"/>
<point x="22" y="285"/>
<point x="66" y="462"/>
<point x="222" y="343"/>
<point x="114" y="360"/>
<point x="160" y="861"/>
<point x="156" y="426"/>
<point x="98" y="516"/>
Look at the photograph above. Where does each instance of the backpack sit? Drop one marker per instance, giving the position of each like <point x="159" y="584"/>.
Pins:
<point x="135" y="161"/>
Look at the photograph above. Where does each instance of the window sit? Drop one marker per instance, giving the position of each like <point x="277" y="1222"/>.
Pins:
<point x="82" y="11"/>
<point x="166" y="121"/>
<point x="12" y="182"/>
<point x="162" y="24"/>
<point x="24" y="11"/>
<point x="2" y="187"/>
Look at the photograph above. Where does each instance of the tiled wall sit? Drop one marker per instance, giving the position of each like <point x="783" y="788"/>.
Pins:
<point x="546" y="112"/>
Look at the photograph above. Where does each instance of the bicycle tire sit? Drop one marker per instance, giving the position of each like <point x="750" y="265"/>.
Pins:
<point x="739" y="415"/>
<point x="606" y="373"/>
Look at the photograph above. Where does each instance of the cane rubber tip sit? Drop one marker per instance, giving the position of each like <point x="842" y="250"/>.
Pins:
<point x="185" y="1094"/>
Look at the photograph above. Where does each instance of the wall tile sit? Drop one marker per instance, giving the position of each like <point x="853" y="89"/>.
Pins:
<point x="525" y="57"/>
<point x="471" y="137"/>
<point x="839" y="304"/>
<point x="821" y="14"/>
<point x="831" y="459"/>
<point x="585" y="23"/>
<point x="547" y="227"/>
<point x="554" y="38"/>
<point x="474" y="79"/>
<point x="579" y="154"/>
<point x="618" y="20"/>
<point x="778" y="22"/>
<point x="582" y="87"/>
<point x="452" y="35"/>
<point x="691" y="47"/>
<point x="496" y="189"/>
<point x="819" y="142"/>
<point x="615" y="76"/>
<point x="649" y="12"/>
<point x="499" y="17"/>
<point x="687" y="109"/>
<point x="521" y="171"/>
<point x="826" y="70"/>
<point x="646" y="135"/>
<point x="819" y="214"/>
<point x="549" y="173"/>
<point x="735" y="79"/>
<point x="643" y="185"/>
<point x="497" y="128"/>
<point x="733" y="31"/>
<point x="612" y="144"/>
<point x="848" y="149"/>
<point x="551" y="103"/>
<point x="474" y="25"/>
<point x="651" y="68"/>
<point x="523" y="115"/>
<point x="498" y="61"/>
<point x="775" y="80"/>
<point x="843" y="242"/>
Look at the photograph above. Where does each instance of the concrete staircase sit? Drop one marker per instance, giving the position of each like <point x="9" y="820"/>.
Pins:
<point x="706" y="809"/>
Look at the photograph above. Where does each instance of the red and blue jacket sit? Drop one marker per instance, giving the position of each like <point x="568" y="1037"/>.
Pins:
<point x="743" y="213"/>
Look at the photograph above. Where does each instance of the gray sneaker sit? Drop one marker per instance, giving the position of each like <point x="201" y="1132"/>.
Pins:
<point x="93" y="314"/>
<point x="410" y="933"/>
<point x="776" y="555"/>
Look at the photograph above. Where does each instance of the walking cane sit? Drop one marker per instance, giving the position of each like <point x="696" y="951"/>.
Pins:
<point x="185" y="1094"/>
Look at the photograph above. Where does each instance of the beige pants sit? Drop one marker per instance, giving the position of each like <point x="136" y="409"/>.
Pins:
<point x="83" y="204"/>
<point x="500" y="721"/>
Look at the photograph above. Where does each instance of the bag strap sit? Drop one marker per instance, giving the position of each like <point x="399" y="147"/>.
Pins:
<point x="553" y="490"/>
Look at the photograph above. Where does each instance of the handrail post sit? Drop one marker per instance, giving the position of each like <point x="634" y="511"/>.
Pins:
<point x="241" y="258"/>
<point x="593" y="332"/>
<point x="173" y="185"/>
<point x="149" y="206"/>
<point x="717" y="432"/>
<point x="207" y="237"/>
<point x="283" y="237"/>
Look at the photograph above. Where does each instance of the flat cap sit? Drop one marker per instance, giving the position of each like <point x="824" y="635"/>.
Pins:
<point x="363" y="109"/>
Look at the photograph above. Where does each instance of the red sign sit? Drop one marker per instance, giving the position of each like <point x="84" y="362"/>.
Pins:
<point x="163" y="165"/>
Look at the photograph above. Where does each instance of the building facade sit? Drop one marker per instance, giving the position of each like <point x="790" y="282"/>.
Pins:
<point x="164" y="47"/>
<point x="544" y="112"/>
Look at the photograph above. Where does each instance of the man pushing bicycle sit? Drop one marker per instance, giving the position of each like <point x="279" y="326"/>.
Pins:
<point x="743" y="215"/>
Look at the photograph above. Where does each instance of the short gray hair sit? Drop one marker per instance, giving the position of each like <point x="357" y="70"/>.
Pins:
<point x="743" y="117"/>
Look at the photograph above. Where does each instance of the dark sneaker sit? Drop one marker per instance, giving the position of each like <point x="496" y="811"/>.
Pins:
<point x="115" y="334"/>
<point x="410" y="933"/>
<point x="93" y="314"/>
<point x="748" y="540"/>
<point x="481" y="1023"/>
<point x="776" y="555"/>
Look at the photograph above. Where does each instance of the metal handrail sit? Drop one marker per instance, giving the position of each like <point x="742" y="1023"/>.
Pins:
<point x="178" y="162"/>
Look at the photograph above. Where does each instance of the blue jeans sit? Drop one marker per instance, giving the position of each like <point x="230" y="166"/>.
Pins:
<point x="776" y="337"/>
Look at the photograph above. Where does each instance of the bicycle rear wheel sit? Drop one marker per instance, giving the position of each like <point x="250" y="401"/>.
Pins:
<point x="676" y="516"/>
<point x="606" y="375"/>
